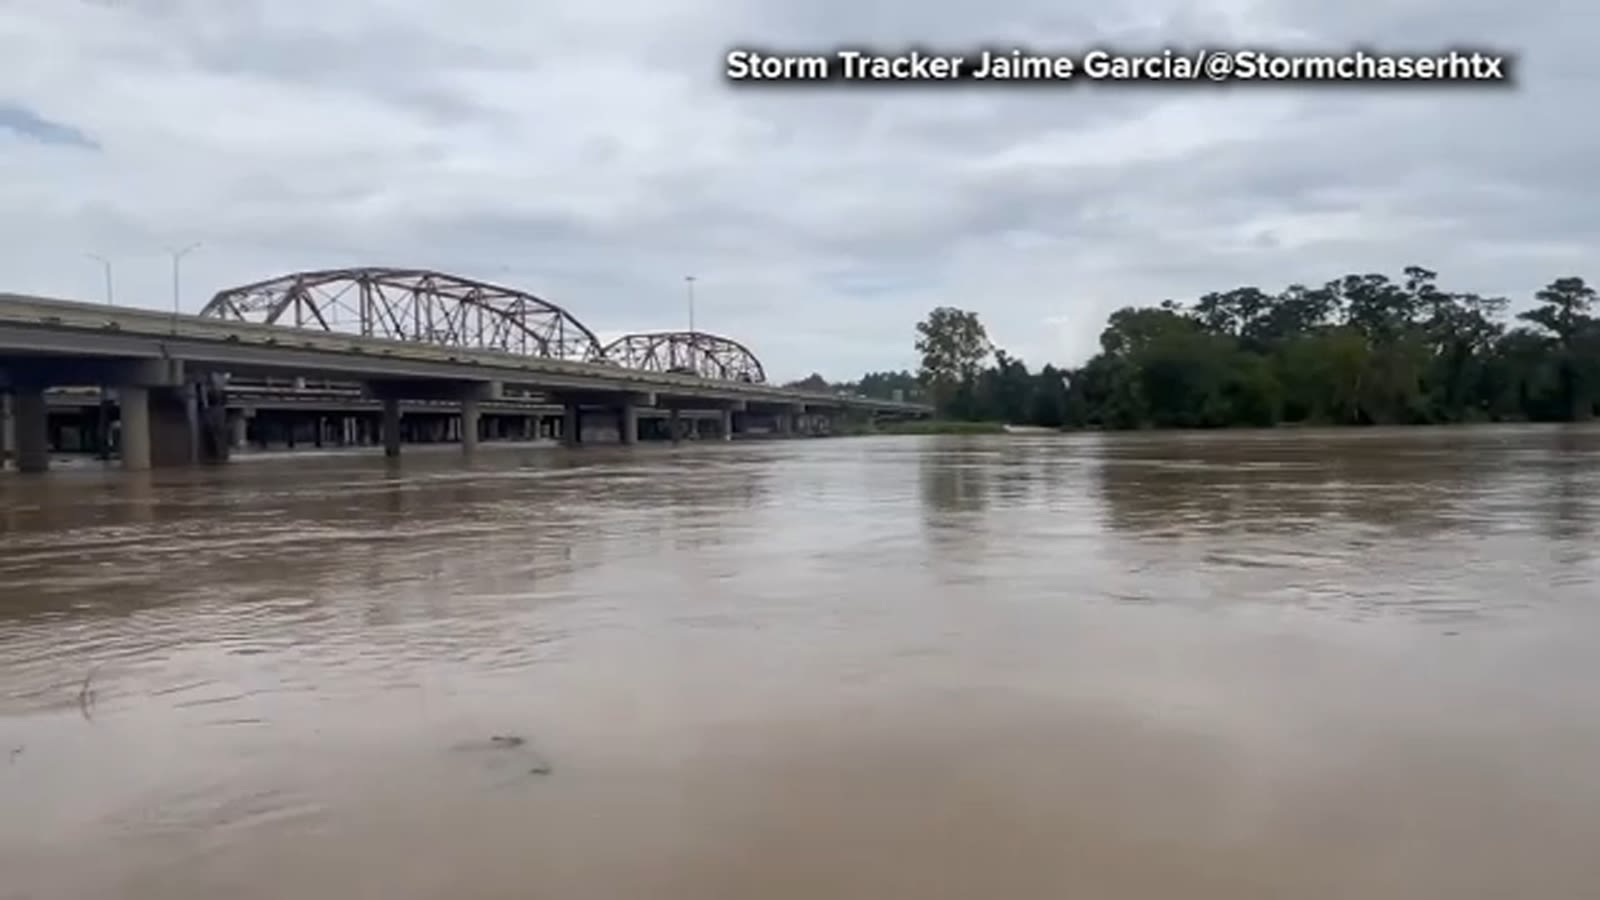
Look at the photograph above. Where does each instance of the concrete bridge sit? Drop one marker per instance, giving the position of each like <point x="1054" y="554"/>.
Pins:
<point x="395" y="355"/>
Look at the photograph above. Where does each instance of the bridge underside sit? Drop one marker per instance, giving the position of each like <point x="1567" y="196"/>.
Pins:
<point x="151" y="417"/>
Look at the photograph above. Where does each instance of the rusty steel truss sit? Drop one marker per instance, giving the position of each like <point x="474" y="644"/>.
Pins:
<point x="413" y="305"/>
<point x="687" y="353"/>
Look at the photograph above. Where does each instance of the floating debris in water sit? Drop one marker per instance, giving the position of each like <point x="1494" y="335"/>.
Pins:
<point x="516" y="742"/>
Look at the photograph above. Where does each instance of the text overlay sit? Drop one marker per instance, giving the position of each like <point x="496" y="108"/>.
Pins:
<point x="1200" y="65"/>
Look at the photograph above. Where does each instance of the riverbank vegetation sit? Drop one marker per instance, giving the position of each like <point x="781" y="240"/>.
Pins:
<point x="1359" y="350"/>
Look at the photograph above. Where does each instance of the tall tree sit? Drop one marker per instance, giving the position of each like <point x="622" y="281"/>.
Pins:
<point x="1563" y="308"/>
<point x="1563" y="311"/>
<point x="953" y="344"/>
<point x="813" y="382"/>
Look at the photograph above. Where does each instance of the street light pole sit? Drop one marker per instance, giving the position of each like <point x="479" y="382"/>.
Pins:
<point x="177" y="257"/>
<point x="106" y="264"/>
<point x="689" y="280"/>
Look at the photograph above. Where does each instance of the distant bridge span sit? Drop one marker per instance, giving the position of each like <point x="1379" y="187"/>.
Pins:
<point x="687" y="353"/>
<point x="418" y="305"/>
<point x="382" y="338"/>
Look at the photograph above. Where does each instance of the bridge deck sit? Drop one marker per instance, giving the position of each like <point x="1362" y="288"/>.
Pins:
<point x="38" y="328"/>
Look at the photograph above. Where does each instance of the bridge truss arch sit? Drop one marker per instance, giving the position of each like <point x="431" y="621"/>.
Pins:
<point x="417" y="305"/>
<point x="687" y="353"/>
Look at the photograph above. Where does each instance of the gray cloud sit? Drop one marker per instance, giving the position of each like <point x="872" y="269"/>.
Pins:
<point x="593" y="154"/>
<point x="28" y="124"/>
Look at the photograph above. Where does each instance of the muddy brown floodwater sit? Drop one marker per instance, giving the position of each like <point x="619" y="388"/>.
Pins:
<point x="1357" y="664"/>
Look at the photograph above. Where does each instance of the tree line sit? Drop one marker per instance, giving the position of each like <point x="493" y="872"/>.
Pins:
<point x="1359" y="350"/>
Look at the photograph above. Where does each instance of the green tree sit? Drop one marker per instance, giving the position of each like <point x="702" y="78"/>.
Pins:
<point x="1362" y="349"/>
<point x="1563" y="308"/>
<point x="953" y="344"/>
<point x="1131" y="329"/>
<point x="1563" y="311"/>
<point x="1048" y="406"/>
<point x="883" y="385"/>
<point x="813" y="382"/>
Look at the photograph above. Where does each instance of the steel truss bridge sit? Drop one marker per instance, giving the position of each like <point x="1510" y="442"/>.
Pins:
<point x="687" y="353"/>
<point x="429" y="307"/>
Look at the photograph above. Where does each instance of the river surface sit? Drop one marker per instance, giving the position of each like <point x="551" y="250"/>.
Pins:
<point x="1357" y="664"/>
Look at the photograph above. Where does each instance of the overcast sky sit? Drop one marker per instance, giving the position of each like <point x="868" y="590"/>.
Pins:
<point x="592" y="153"/>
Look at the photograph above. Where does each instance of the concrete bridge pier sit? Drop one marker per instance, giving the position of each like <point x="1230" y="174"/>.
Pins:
<point x="628" y="416"/>
<point x="783" y="423"/>
<point x="157" y="429"/>
<point x="732" y="419"/>
<point x="174" y="426"/>
<point x="465" y="427"/>
<point x="161" y="419"/>
<point x="675" y="426"/>
<point x="30" y="422"/>
<point x="572" y="424"/>
<point x="391" y="426"/>
<point x="8" y="429"/>
<point x="133" y="406"/>
<point x="627" y="423"/>
<point x="470" y="423"/>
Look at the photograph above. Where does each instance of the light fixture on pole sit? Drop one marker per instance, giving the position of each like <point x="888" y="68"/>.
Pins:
<point x="689" y="280"/>
<point x="177" y="257"/>
<point x="105" y="264"/>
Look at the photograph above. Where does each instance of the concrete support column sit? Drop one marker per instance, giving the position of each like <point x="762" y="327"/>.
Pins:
<point x="237" y="430"/>
<point x="31" y="420"/>
<point x="628" y="423"/>
<point x="469" y="423"/>
<point x="8" y="429"/>
<point x="783" y="422"/>
<point x="675" y="425"/>
<point x="572" y="425"/>
<point x="726" y="425"/>
<point x="391" y="426"/>
<point x="133" y="405"/>
<point x="191" y="421"/>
